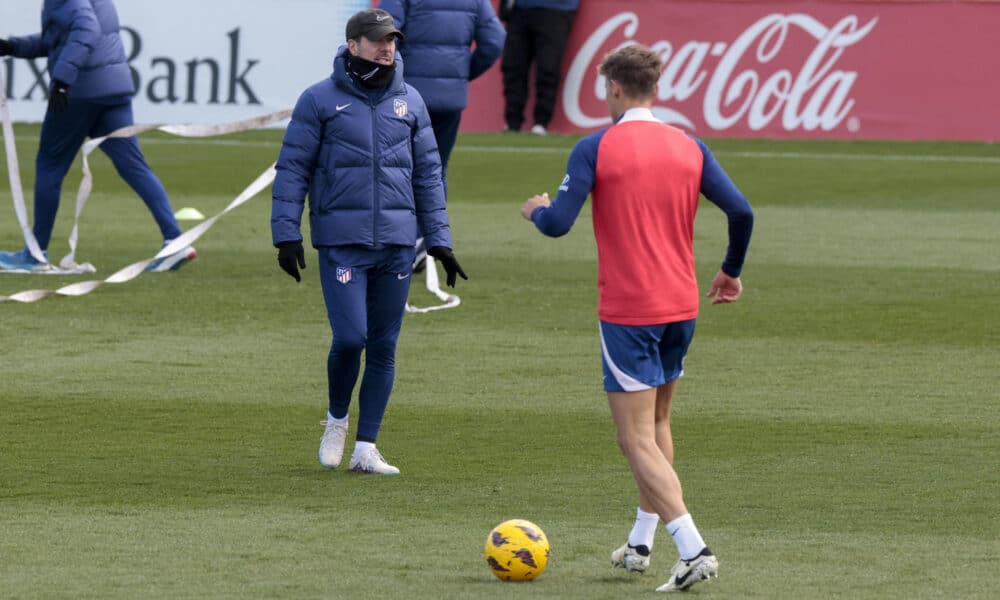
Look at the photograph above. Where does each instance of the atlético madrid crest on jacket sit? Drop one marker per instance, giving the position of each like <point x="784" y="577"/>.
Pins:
<point x="400" y="107"/>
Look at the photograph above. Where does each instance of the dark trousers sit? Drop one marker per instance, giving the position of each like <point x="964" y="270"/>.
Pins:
<point x="445" y="124"/>
<point x="365" y="292"/>
<point x="534" y="35"/>
<point x="62" y="135"/>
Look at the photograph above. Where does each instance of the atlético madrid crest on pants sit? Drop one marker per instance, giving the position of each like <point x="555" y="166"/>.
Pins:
<point x="344" y="274"/>
<point x="400" y="107"/>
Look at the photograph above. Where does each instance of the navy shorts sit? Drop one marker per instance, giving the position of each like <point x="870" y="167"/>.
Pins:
<point x="637" y="358"/>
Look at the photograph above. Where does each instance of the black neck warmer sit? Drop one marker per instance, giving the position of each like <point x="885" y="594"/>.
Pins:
<point x="370" y="74"/>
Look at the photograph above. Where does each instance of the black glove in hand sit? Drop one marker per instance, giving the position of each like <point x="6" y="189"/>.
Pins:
<point x="6" y="48"/>
<point x="290" y="254"/>
<point x="451" y="266"/>
<point x="59" y="96"/>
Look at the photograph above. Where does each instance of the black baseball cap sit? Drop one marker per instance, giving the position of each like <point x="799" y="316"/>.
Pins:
<point x="373" y="23"/>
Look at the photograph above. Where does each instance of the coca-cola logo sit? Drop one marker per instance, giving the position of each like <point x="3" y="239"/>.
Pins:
<point x="742" y="81"/>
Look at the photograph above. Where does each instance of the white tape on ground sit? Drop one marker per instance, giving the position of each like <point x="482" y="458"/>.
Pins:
<point x="134" y="270"/>
<point x="68" y="264"/>
<point x="434" y="286"/>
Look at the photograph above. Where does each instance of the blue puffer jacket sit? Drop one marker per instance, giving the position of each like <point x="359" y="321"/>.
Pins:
<point x="84" y="47"/>
<point x="370" y="166"/>
<point x="436" y="50"/>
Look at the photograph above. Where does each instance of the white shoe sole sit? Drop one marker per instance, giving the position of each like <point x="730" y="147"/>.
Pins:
<point x="704" y="571"/>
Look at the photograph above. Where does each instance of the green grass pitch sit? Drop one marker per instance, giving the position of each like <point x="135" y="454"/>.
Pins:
<point x="837" y="431"/>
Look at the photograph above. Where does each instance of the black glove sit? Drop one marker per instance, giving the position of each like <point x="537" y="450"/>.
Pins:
<point x="451" y="266"/>
<point x="6" y="47"/>
<point x="59" y="96"/>
<point x="290" y="253"/>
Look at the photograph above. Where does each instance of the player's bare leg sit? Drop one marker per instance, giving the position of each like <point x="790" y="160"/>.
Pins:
<point x="664" y="437"/>
<point x="643" y="422"/>
<point x="634" y="414"/>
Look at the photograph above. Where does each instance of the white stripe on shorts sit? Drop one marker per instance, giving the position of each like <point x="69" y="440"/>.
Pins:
<point x="626" y="381"/>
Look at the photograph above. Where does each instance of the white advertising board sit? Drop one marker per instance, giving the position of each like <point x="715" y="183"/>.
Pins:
<point x="199" y="61"/>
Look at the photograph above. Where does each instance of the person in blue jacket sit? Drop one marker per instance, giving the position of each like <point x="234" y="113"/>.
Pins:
<point x="361" y="147"/>
<point x="440" y="64"/>
<point x="90" y="95"/>
<point x="438" y="59"/>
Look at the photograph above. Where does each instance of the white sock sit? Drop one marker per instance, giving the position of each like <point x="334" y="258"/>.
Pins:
<point x="362" y="447"/>
<point x="330" y="419"/>
<point x="644" y="529"/>
<point x="686" y="536"/>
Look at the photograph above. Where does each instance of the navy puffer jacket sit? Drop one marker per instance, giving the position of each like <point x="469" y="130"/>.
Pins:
<point x="439" y="61"/>
<point x="369" y="165"/>
<point x="82" y="42"/>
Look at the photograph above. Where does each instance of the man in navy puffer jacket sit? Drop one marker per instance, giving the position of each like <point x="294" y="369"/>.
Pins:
<point x="90" y="95"/>
<point x="360" y="146"/>
<point x="440" y="65"/>
<point x="438" y="59"/>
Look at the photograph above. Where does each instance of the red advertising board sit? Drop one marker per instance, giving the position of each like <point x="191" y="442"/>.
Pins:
<point x="794" y="69"/>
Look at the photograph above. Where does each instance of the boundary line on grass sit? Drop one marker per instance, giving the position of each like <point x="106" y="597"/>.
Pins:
<point x="939" y="158"/>
<point x="754" y="154"/>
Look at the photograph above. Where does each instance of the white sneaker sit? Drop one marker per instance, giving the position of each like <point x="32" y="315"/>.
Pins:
<point x="372" y="462"/>
<point x="686" y="573"/>
<point x="539" y="129"/>
<point x="331" y="447"/>
<point x="631" y="558"/>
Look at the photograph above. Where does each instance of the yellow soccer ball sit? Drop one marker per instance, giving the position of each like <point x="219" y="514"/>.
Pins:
<point x="517" y="550"/>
